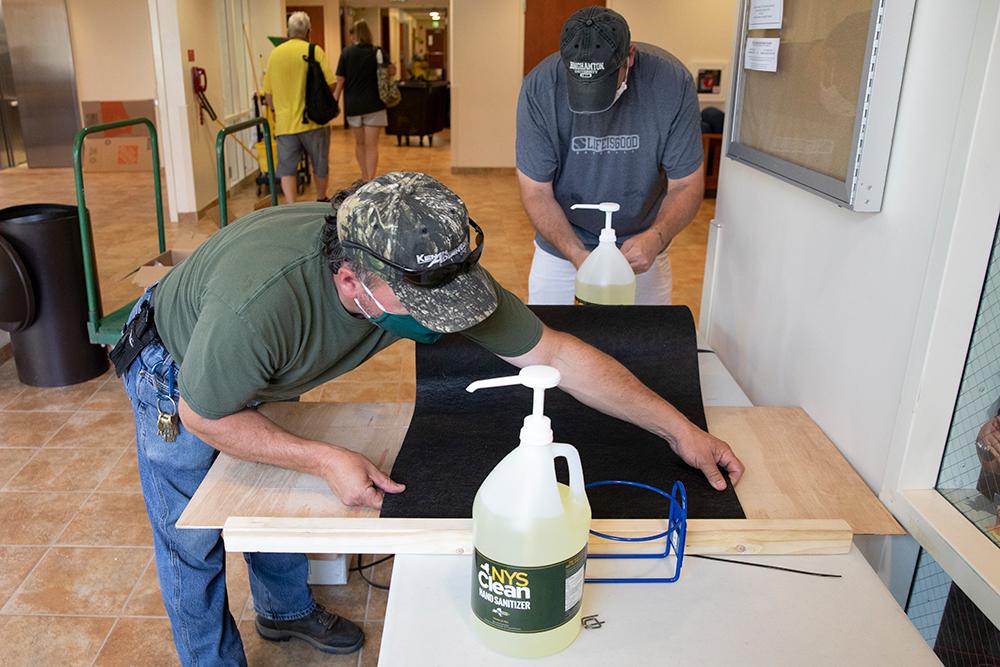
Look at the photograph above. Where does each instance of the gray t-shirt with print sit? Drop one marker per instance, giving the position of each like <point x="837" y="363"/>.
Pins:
<point x="624" y="155"/>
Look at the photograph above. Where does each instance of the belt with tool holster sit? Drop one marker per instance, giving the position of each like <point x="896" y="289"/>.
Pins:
<point x="136" y="335"/>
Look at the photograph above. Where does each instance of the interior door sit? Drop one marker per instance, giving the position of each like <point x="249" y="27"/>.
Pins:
<point x="317" y="29"/>
<point x="543" y="21"/>
<point x="437" y="47"/>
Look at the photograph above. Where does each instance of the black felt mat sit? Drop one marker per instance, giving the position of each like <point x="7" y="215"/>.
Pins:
<point x="456" y="438"/>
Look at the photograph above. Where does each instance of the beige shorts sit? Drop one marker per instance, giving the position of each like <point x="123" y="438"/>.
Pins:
<point x="375" y="119"/>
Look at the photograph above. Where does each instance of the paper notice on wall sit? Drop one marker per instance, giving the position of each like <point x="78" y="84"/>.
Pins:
<point x="761" y="54"/>
<point x="765" y="14"/>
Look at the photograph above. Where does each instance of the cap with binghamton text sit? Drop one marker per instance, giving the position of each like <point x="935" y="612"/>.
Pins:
<point x="594" y="44"/>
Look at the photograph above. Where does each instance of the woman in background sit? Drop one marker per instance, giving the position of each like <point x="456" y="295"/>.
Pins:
<point x="357" y="77"/>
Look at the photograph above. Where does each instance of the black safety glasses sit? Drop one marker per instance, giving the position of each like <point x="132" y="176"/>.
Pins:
<point x="432" y="276"/>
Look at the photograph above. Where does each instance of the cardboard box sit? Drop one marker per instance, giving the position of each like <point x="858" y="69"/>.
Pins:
<point x="117" y="154"/>
<point x="124" y="148"/>
<point x="98" y="113"/>
<point x="154" y="269"/>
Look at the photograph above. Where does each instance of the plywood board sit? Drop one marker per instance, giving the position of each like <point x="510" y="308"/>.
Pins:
<point x="454" y="536"/>
<point x="234" y="487"/>
<point x="795" y="471"/>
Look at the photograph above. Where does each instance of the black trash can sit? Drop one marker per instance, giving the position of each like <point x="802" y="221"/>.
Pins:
<point x="41" y="267"/>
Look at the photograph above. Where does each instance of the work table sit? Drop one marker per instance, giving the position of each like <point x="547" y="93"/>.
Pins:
<point x="718" y="613"/>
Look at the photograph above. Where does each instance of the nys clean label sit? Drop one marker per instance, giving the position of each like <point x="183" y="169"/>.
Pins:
<point x="527" y="599"/>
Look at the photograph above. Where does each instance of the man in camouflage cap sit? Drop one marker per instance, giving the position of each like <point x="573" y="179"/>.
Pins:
<point x="279" y="303"/>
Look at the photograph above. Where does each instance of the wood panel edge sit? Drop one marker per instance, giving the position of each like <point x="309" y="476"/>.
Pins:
<point x="745" y="537"/>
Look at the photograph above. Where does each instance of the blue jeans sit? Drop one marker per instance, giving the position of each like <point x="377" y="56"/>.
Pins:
<point x="192" y="562"/>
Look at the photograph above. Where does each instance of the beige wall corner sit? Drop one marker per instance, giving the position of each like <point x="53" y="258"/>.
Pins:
<point x="487" y="54"/>
<point x="112" y="49"/>
<point x="696" y="31"/>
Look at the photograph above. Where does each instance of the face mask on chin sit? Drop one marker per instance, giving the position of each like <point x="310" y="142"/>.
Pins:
<point x="618" y="93"/>
<point x="401" y="325"/>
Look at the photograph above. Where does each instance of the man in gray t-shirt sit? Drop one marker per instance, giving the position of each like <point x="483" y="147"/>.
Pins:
<point x="607" y="120"/>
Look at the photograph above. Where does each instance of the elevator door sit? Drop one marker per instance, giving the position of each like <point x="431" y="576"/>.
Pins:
<point x="11" y="142"/>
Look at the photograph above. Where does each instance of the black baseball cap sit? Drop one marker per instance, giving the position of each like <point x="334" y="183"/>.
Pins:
<point x="594" y="44"/>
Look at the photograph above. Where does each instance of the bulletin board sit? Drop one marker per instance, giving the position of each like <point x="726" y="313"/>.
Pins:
<point x="824" y="119"/>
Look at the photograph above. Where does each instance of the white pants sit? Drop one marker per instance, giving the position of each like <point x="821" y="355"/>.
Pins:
<point x="552" y="281"/>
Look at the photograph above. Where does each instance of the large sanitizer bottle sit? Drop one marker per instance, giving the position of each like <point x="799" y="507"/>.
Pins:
<point x="530" y="535"/>
<point x="605" y="277"/>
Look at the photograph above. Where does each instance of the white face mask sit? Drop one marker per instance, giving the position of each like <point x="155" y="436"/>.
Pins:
<point x="621" y="89"/>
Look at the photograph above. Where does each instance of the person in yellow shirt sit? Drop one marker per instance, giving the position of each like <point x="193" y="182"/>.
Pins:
<point x="285" y="87"/>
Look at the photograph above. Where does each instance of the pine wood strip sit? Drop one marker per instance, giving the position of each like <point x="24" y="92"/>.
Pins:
<point x="454" y="536"/>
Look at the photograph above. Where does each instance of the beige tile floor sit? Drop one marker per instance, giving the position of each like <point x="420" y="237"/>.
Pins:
<point x="77" y="578"/>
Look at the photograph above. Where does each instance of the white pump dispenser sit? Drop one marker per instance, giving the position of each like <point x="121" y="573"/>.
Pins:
<point x="537" y="429"/>
<point x="605" y="277"/>
<point x="530" y="534"/>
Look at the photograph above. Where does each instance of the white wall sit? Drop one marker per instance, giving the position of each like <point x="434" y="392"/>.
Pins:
<point x="199" y="31"/>
<point x="112" y="49"/>
<point x="684" y="27"/>
<point x="486" y="52"/>
<point x="693" y="30"/>
<point x="267" y="18"/>
<point x="814" y="305"/>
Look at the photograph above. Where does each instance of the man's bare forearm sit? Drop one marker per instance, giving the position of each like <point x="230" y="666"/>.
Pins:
<point x="589" y="374"/>
<point x="601" y="382"/>
<point x="548" y="218"/>
<point x="251" y="436"/>
<point x="678" y="209"/>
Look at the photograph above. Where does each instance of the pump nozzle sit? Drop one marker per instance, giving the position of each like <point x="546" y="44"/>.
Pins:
<point x="539" y="378"/>
<point x="609" y="208"/>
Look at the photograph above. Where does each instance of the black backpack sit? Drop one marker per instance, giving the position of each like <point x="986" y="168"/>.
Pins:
<point x="321" y="107"/>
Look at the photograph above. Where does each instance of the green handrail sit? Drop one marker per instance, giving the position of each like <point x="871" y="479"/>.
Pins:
<point x="94" y="311"/>
<point x="220" y="163"/>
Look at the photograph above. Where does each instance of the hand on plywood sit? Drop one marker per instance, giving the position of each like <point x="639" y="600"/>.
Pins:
<point x="355" y="480"/>
<point x="251" y="436"/>
<point x="704" y="451"/>
<point x="603" y="383"/>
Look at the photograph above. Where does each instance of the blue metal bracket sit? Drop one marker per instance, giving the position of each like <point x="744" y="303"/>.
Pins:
<point x="674" y="536"/>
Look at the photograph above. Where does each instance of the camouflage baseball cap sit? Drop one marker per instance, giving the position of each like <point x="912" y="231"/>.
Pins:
<point x="415" y="221"/>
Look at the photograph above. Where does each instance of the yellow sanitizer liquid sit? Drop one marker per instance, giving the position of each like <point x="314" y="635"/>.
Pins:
<point x="530" y="534"/>
<point x="605" y="277"/>
<point x="608" y="294"/>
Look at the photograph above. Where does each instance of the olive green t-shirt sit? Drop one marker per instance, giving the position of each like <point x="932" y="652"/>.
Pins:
<point x="253" y="315"/>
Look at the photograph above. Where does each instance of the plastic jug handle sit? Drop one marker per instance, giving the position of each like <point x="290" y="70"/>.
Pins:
<point x="572" y="457"/>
